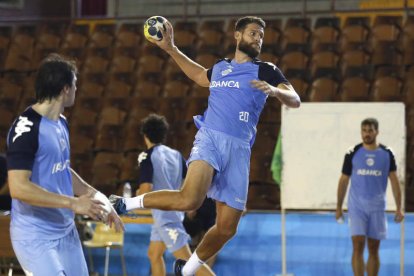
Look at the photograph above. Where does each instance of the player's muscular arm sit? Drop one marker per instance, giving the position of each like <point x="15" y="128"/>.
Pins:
<point x="287" y="95"/>
<point x="284" y="92"/>
<point x="23" y="189"/>
<point x="342" y="187"/>
<point x="84" y="190"/>
<point x="396" y="191"/>
<point x="80" y="187"/>
<point x="193" y="70"/>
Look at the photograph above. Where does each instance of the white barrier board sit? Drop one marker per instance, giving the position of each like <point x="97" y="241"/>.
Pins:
<point x="315" y="138"/>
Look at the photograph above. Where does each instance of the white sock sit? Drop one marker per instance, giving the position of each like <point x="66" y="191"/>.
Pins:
<point x="134" y="202"/>
<point x="192" y="265"/>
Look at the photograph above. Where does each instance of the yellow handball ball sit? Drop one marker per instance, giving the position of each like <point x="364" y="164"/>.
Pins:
<point x="152" y="28"/>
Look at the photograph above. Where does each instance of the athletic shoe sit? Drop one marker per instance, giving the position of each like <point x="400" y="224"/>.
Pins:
<point x="178" y="267"/>
<point x="118" y="204"/>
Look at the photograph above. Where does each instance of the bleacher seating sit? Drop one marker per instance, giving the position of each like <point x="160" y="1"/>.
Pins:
<point x="123" y="77"/>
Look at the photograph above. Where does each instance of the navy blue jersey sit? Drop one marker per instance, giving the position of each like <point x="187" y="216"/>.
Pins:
<point x="165" y="169"/>
<point x="40" y="145"/>
<point x="234" y="106"/>
<point x="369" y="171"/>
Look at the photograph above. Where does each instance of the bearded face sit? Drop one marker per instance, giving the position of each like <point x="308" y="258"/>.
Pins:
<point x="251" y="49"/>
<point x="251" y="39"/>
<point x="369" y="134"/>
<point x="369" y="140"/>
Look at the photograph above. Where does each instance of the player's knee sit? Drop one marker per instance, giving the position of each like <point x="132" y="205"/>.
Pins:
<point x="190" y="201"/>
<point x="358" y="247"/>
<point x="191" y="204"/>
<point x="373" y="249"/>
<point x="227" y="232"/>
<point x="154" y="255"/>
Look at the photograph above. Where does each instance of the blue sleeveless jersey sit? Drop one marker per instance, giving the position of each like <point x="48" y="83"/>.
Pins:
<point x="165" y="169"/>
<point x="40" y="145"/>
<point x="369" y="171"/>
<point x="234" y="106"/>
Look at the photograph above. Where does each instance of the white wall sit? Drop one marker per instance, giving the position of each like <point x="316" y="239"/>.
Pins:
<point x="315" y="138"/>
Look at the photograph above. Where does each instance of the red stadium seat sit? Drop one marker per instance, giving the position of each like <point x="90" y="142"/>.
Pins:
<point x="386" y="89"/>
<point x="354" y="89"/>
<point x="297" y="30"/>
<point x="355" y="29"/>
<point x="323" y="90"/>
<point x="326" y="30"/>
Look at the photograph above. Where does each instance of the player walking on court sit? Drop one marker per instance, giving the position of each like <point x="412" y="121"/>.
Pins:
<point x="162" y="167"/>
<point x="220" y="158"/>
<point x="43" y="185"/>
<point x="368" y="165"/>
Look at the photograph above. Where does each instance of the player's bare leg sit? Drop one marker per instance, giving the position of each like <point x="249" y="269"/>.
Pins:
<point x="156" y="251"/>
<point x="225" y="228"/>
<point x="184" y="253"/>
<point x="358" y="244"/>
<point x="191" y="195"/>
<point x="373" y="263"/>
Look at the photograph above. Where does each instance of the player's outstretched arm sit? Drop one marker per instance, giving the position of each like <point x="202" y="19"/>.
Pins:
<point x="23" y="189"/>
<point x="396" y="191"/>
<point x="284" y="92"/>
<point x="193" y="70"/>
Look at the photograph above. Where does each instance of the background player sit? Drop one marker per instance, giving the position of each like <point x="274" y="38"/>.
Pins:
<point x="162" y="167"/>
<point x="368" y="165"/>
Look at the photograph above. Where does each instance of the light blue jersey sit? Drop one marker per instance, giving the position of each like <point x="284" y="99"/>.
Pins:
<point x="40" y="145"/>
<point x="227" y="129"/>
<point x="369" y="171"/>
<point x="164" y="168"/>
<point x="234" y="106"/>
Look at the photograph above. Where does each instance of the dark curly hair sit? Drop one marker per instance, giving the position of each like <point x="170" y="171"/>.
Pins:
<point x="155" y="127"/>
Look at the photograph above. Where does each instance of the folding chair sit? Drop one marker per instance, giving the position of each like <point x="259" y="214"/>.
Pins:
<point x="106" y="237"/>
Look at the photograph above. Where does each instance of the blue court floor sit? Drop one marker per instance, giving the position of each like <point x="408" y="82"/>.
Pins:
<point x="316" y="246"/>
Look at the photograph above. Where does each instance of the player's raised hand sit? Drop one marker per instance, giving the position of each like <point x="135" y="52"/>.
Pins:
<point x="167" y="41"/>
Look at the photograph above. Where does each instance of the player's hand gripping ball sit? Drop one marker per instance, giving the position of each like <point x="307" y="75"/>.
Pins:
<point x="106" y="205"/>
<point x="152" y="28"/>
